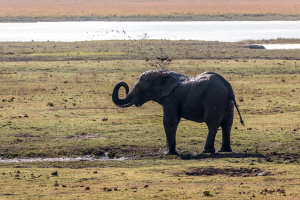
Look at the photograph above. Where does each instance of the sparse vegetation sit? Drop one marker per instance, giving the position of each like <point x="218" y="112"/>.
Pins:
<point x="141" y="50"/>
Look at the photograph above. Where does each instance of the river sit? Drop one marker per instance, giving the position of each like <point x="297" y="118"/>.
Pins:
<point x="223" y="31"/>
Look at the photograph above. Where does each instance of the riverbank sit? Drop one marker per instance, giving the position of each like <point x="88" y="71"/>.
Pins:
<point x="247" y="17"/>
<point x="144" y="50"/>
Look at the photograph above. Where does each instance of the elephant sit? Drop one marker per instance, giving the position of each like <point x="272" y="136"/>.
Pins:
<point x="207" y="97"/>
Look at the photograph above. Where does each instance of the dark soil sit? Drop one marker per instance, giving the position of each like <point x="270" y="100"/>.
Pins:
<point x="233" y="172"/>
<point x="269" y="157"/>
<point x="282" y="157"/>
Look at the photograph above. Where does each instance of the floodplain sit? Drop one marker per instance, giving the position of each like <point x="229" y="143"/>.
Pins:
<point x="56" y="102"/>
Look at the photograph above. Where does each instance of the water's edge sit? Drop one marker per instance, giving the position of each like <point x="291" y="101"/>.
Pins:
<point x="64" y="159"/>
<point x="7" y="19"/>
<point x="281" y="46"/>
<point x="222" y="31"/>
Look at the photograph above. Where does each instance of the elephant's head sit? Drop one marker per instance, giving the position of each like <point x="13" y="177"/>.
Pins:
<point x="150" y="85"/>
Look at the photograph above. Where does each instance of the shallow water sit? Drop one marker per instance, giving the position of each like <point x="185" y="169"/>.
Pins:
<point x="223" y="31"/>
<point x="63" y="159"/>
<point x="281" y="46"/>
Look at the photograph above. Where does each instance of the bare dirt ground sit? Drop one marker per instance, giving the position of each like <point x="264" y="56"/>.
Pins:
<point x="229" y="171"/>
<point x="120" y="9"/>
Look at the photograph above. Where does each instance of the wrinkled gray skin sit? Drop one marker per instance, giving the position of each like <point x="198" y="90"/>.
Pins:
<point x="207" y="97"/>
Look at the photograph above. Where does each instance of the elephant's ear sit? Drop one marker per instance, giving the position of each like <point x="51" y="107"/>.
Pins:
<point x="165" y="84"/>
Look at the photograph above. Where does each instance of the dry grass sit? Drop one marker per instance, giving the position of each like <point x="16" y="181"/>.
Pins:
<point x="127" y="8"/>
<point x="81" y="95"/>
<point x="151" y="180"/>
<point x="142" y="49"/>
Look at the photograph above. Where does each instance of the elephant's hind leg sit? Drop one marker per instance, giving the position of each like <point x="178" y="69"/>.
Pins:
<point x="226" y="128"/>
<point x="210" y="140"/>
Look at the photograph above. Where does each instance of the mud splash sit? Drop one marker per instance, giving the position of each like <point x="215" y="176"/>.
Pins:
<point x="63" y="159"/>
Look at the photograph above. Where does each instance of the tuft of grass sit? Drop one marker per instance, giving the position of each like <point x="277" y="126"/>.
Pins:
<point x="240" y="98"/>
<point x="10" y="100"/>
<point x="50" y="104"/>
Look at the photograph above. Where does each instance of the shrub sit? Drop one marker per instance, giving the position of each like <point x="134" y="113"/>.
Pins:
<point x="11" y="99"/>
<point x="50" y="104"/>
<point x="241" y="99"/>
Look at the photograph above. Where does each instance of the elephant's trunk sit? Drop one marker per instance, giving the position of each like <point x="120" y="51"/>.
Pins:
<point x="115" y="95"/>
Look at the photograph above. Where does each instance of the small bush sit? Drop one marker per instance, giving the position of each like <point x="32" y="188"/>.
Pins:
<point x="11" y="99"/>
<point x="241" y="99"/>
<point x="206" y="193"/>
<point x="50" y="104"/>
<point x="112" y="154"/>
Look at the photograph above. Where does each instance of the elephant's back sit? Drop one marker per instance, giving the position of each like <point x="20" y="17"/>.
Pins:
<point x="203" y="95"/>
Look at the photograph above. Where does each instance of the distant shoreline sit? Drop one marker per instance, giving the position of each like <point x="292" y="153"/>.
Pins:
<point x="153" y="18"/>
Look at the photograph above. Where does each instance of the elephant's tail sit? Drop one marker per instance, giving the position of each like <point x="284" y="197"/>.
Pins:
<point x="231" y="94"/>
<point x="234" y="102"/>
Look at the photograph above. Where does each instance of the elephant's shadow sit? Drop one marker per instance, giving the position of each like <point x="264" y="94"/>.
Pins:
<point x="220" y="155"/>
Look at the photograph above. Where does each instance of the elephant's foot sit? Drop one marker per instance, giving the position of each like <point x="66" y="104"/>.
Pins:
<point x="168" y="152"/>
<point x="222" y="149"/>
<point x="208" y="150"/>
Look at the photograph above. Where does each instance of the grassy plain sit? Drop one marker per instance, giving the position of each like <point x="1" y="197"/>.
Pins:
<point x="56" y="101"/>
<point x="165" y="179"/>
<point x="32" y="10"/>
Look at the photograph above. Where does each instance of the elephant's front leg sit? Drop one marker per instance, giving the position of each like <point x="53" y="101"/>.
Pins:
<point x="170" y="124"/>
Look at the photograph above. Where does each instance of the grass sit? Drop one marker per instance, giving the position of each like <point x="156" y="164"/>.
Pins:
<point x="67" y="101"/>
<point x="152" y="180"/>
<point x="149" y="10"/>
<point x="62" y="106"/>
<point x="142" y="50"/>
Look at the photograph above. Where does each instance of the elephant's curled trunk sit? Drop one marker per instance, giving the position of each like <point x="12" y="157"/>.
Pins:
<point x="115" y="95"/>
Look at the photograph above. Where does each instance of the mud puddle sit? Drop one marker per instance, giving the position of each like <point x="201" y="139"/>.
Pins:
<point x="233" y="172"/>
<point x="63" y="159"/>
